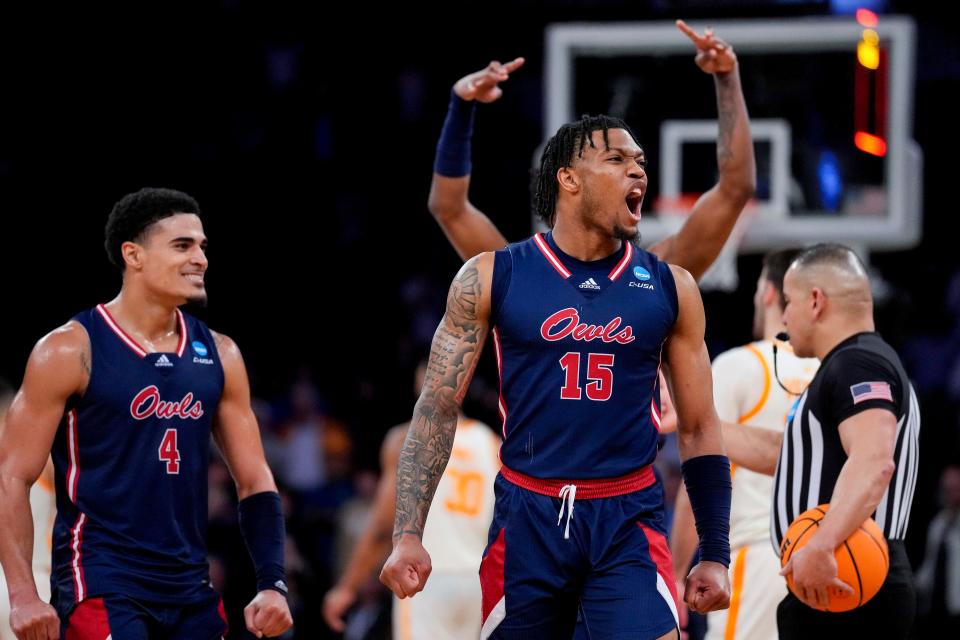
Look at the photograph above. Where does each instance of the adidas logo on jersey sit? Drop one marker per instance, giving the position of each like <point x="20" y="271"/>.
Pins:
<point x="590" y="283"/>
<point x="163" y="361"/>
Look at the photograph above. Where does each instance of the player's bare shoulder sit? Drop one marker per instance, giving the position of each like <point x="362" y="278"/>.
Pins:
<point x="690" y="313"/>
<point x="683" y="278"/>
<point x="473" y="275"/>
<point x="64" y="357"/>
<point x="469" y="295"/>
<point x="236" y="382"/>
<point x="227" y="348"/>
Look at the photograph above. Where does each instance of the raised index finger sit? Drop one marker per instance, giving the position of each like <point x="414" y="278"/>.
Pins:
<point x="698" y="40"/>
<point x="513" y="65"/>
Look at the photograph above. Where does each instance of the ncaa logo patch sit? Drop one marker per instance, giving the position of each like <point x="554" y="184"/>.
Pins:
<point x="199" y="348"/>
<point x="641" y="274"/>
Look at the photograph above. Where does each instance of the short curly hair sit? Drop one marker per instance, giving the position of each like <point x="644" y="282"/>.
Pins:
<point x="135" y="212"/>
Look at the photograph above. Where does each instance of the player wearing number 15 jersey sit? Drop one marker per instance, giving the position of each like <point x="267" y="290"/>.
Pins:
<point x="580" y="319"/>
<point x="125" y="396"/>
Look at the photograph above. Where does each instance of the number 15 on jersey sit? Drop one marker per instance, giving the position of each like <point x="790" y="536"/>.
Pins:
<point x="599" y="373"/>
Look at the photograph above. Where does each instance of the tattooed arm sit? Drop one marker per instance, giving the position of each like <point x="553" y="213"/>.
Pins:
<point x="453" y="358"/>
<point x="58" y="368"/>
<point x="699" y="241"/>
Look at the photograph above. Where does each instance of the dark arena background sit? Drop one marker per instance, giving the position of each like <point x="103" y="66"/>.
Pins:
<point x="307" y="134"/>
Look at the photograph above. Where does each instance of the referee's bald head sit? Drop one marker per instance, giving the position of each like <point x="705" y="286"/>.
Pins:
<point x="837" y="271"/>
<point x="827" y="292"/>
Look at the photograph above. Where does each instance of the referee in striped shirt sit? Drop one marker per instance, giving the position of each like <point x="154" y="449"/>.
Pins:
<point x="851" y="441"/>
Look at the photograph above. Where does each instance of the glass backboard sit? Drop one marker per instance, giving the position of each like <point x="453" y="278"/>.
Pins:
<point x="832" y="123"/>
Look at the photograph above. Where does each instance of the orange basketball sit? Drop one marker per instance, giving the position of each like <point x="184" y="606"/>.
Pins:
<point x="862" y="560"/>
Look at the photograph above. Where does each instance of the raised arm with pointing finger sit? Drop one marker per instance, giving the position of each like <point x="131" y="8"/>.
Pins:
<point x="699" y="241"/>
<point x="469" y="230"/>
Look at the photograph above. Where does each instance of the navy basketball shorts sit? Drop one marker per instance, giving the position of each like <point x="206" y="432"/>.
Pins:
<point x="120" y="618"/>
<point x="609" y="558"/>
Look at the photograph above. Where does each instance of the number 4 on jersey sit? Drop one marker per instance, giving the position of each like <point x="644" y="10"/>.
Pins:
<point x="599" y="372"/>
<point x="169" y="452"/>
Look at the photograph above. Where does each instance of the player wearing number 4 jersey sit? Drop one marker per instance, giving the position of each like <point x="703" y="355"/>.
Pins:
<point x="126" y="396"/>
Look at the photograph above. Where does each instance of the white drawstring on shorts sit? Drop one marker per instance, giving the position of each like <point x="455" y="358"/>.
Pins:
<point x="568" y="494"/>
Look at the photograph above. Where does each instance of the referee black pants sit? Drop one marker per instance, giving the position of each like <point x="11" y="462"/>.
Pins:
<point x="889" y="614"/>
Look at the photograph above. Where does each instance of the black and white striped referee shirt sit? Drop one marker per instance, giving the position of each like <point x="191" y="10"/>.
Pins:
<point x="862" y="372"/>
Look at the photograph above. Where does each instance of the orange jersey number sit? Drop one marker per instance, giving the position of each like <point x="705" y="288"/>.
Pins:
<point x="466" y="493"/>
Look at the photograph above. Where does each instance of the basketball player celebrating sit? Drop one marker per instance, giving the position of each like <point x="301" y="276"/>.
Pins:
<point x="580" y="403"/>
<point x="704" y="232"/>
<point x="471" y="232"/>
<point x="125" y="397"/>
<point x="746" y="389"/>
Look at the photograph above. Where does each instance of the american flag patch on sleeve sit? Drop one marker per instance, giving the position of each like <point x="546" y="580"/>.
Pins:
<point x="871" y="391"/>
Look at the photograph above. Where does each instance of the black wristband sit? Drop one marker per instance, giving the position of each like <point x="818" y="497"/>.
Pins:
<point x="708" y="483"/>
<point x="261" y="523"/>
<point x="453" y="147"/>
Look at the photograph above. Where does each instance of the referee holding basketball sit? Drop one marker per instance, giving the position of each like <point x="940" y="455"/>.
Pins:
<point x="851" y="441"/>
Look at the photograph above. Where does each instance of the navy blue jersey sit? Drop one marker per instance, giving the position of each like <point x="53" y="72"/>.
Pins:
<point x="578" y="346"/>
<point x="131" y="460"/>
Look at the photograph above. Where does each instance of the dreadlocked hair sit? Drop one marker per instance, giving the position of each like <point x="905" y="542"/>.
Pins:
<point x="572" y="138"/>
